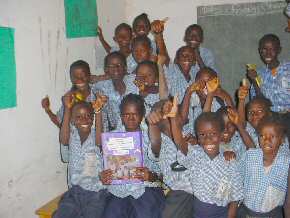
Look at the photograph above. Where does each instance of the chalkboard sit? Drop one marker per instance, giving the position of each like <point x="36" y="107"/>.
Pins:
<point x="233" y="31"/>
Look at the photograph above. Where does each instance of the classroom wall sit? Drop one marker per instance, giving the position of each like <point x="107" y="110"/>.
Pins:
<point x="181" y="14"/>
<point x="31" y="173"/>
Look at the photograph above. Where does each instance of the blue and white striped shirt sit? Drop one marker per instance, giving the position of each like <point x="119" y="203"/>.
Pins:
<point x="214" y="181"/>
<point x="276" y="88"/>
<point x="85" y="162"/>
<point x="168" y="155"/>
<point x="257" y="181"/>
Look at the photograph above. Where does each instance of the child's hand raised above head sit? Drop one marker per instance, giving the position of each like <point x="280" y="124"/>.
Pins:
<point x="212" y="85"/>
<point x="106" y="177"/>
<point x="243" y="92"/>
<point x="170" y="109"/>
<point x="233" y="116"/>
<point x="100" y="32"/>
<point x="99" y="103"/>
<point x="197" y="86"/>
<point x="45" y="103"/>
<point x="251" y="71"/>
<point x="157" y="26"/>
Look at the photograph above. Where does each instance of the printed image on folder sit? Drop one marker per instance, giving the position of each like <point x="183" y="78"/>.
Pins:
<point x="122" y="153"/>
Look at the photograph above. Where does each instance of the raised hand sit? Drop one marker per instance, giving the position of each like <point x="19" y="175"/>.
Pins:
<point x="233" y="116"/>
<point x="170" y="109"/>
<point x="243" y="92"/>
<point x="140" y="84"/>
<point x="212" y="85"/>
<point x="45" y="103"/>
<point x="100" y="32"/>
<point x="197" y="86"/>
<point x="99" y="103"/>
<point x="157" y="26"/>
<point x="161" y="60"/>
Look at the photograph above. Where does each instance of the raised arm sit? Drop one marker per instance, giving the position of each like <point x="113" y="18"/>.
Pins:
<point x="163" y="88"/>
<point x="242" y="95"/>
<point x="98" y="104"/>
<point x="104" y="43"/>
<point x="64" y="134"/>
<point x="157" y="28"/>
<point x="46" y="106"/>
<point x="234" y="118"/>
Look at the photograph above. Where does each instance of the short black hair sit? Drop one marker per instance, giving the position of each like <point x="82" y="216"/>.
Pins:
<point x="276" y="120"/>
<point x="178" y="52"/>
<point x="115" y="54"/>
<point x="270" y="37"/>
<point x="151" y="64"/>
<point x="83" y="104"/>
<point x="138" y="100"/>
<point x="80" y="64"/>
<point x="262" y="100"/>
<point x="192" y="26"/>
<point x="140" y="17"/>
<point x="123" y="26"/>
<point x="210" y="117"/>
<point x="143" y="40"/>
<point x="203" y="70"/>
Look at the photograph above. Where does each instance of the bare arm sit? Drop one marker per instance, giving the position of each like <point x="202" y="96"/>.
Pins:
<point x="104" y="43"/>
<point x="232" y="212"/>
<point x="99" y="128"/>
<point x="208" y="102"/>
<point x="242" y="94"/>
<point x="64" y="134"/>
<point x="163" y="88"/>
<point x="177" y="134"/>
<point x="46" y="106"/>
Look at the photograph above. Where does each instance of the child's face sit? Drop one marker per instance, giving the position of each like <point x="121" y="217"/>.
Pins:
<point x="185" y="59"/>
<point x="269" y="52"/>
<point x="141" y="28"/>
<point x="209" y="137"/>
<point x="256" y="112"/>
<point x="193" y="38"/>
<point x="123" y="37"/>
<point x="82" y="118"/>
<point x="141" y="52"/>
<point x="115" y="68"/>
<point x="131" y="117"/>
<point x="146" y="75"/>
<point x="229" y="131"/>
<point x="270" y="139"/>
<point x="80" y="78"/>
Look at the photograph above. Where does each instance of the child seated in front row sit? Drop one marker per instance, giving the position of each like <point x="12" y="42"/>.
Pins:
<point x="142" y="200"/>
<point x="86" y="197"/>
<point x="216" y="183"/>
<point x="265" y="172"/>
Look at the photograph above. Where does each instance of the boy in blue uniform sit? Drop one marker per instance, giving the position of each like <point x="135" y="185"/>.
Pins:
<point x="265" y="172"/>
<point x="216" y="183"/>
<point x="142" y="200"/>
<point x="274" y="77"/>
<point x="86" y="197"/>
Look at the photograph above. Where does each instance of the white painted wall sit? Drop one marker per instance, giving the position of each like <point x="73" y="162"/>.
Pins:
<point x="30" y="171"/>
<point x="181" y="14"/>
